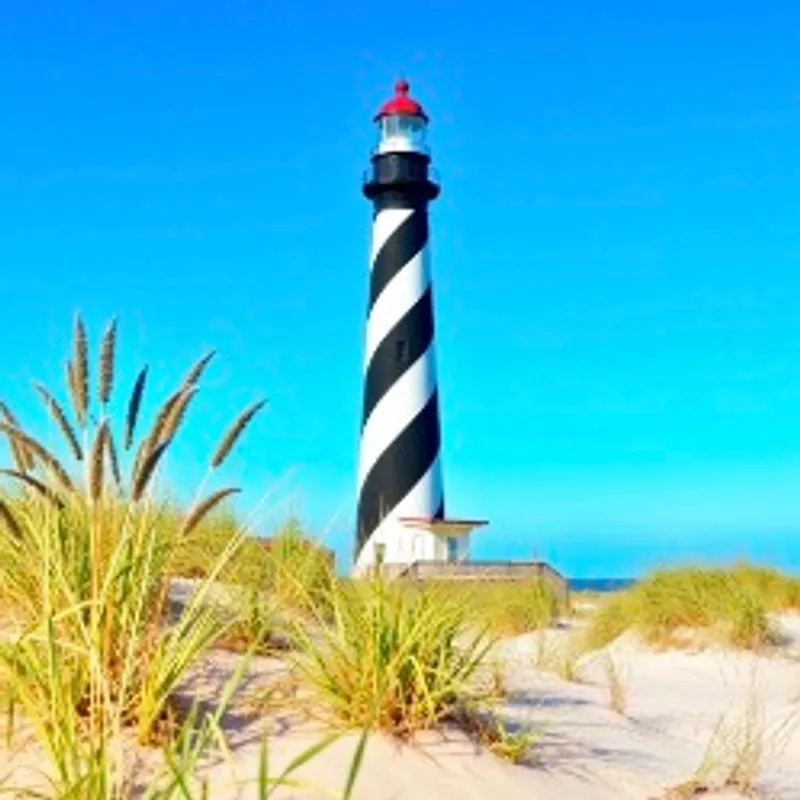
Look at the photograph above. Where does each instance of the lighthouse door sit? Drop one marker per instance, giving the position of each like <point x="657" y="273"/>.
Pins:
<point x="452" y="548"/>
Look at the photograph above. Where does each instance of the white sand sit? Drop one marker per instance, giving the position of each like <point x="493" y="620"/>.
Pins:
<point x="586" y="752"/>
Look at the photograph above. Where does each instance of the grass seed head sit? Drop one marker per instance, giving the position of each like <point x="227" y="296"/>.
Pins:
<point x="80" y="370"/>
<point x="41" y="488"/>
<point x="197" y="370"/>
<point x="60" y="418"/>
<point x="202" y="510"/>
<point x="96" y="462"/>
<point x="234" y="432"/>
<point x="146" y="469"/>
<point x="23" y="460"/>
<point x="177" y="412"/>
<point x="107" y="361"/>
<point x="134" y="405"/>
<point x="41" y="452"/>
<point x="113" y="459"/>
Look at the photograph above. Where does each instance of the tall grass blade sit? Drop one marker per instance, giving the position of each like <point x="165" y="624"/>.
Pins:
<point x="8" y="519"/>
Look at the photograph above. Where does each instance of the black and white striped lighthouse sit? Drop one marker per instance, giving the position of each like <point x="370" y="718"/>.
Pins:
<point x="400" y="473"/>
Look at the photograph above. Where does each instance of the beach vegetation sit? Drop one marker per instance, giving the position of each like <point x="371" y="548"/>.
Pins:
<point x="93" y="651"/>
<point x="670" y="606"/>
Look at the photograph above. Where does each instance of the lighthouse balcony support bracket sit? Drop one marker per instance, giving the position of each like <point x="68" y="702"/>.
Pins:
<point x="408" y="174"/>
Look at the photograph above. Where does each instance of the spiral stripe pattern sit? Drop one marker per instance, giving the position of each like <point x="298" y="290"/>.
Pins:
<point x="399" y="462"/>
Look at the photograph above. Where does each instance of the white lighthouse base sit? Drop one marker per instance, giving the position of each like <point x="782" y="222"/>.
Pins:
<point x="400" y="542"/>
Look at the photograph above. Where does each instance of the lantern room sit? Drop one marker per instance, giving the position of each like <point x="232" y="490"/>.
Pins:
<point x="402" y="124"/>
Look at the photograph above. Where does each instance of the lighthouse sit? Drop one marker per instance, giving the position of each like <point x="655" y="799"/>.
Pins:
<point x="401" y="499"/>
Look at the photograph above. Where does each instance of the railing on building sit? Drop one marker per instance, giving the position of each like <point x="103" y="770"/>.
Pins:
<point x="480" y="571"/>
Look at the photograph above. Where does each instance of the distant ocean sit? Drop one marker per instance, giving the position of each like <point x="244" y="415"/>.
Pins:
<point x="599" y="584"/>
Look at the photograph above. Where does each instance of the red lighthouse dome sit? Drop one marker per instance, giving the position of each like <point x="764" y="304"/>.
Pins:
<point x="401" y="104"/>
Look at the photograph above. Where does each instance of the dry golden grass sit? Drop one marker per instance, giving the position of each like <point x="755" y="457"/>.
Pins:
<point x="739" y="749"/>
<point x="563" y="657"/>
<point x="616" y="683"/>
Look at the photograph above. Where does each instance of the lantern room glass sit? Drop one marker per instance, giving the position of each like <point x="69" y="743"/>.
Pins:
<point x="401" y="133"/>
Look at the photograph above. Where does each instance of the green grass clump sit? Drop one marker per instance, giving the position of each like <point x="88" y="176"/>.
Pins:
<point x="779" y="591"/>
<point x="730" y="606"/>
<point x="90" y="651"/>
<point x="388" y="658"/>
<point x="513" y="608"/>
<point x="274" y="565"/>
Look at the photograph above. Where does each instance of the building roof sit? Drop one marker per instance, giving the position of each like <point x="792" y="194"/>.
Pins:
<point x="444" y="527"/>
<point x="401" y="104"/>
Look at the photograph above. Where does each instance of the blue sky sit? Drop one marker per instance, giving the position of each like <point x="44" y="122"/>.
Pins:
<point x="615" y="250"/>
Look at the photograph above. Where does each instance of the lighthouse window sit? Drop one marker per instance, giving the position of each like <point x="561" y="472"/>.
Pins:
<point x="391" y="126"/>
<point x="404" y="132"/>
<point x="401" y="350"/>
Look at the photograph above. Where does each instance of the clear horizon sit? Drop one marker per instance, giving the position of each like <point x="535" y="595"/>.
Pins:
<point x="614" y="253"/>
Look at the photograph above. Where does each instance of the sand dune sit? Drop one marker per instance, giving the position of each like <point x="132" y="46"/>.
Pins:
<point x="586" y="750"/>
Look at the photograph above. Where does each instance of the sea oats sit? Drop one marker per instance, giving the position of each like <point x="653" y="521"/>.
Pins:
<point x="146" y="470"/>
<point x="6" y="412"/>
<point x="9" y="521"/>
<point x="22" y="458"/>
<point x="156" y="434"/>
<point x="194" y="374"/>
<point x="113" y="460"/>
<point x="134" y="405"/>
<point x="199" y="513"/>
<point x="69" y="376"/>
<point x="95" y="478"/>
<point x="177" y="413"/>
<point x="35" y="484"/>
<point x="60" y="418"/>
<point x="234" y="432"/>
<point x="80" y="371"/>
<point x="41" y="452"/>
<point x="107" y="361"/>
